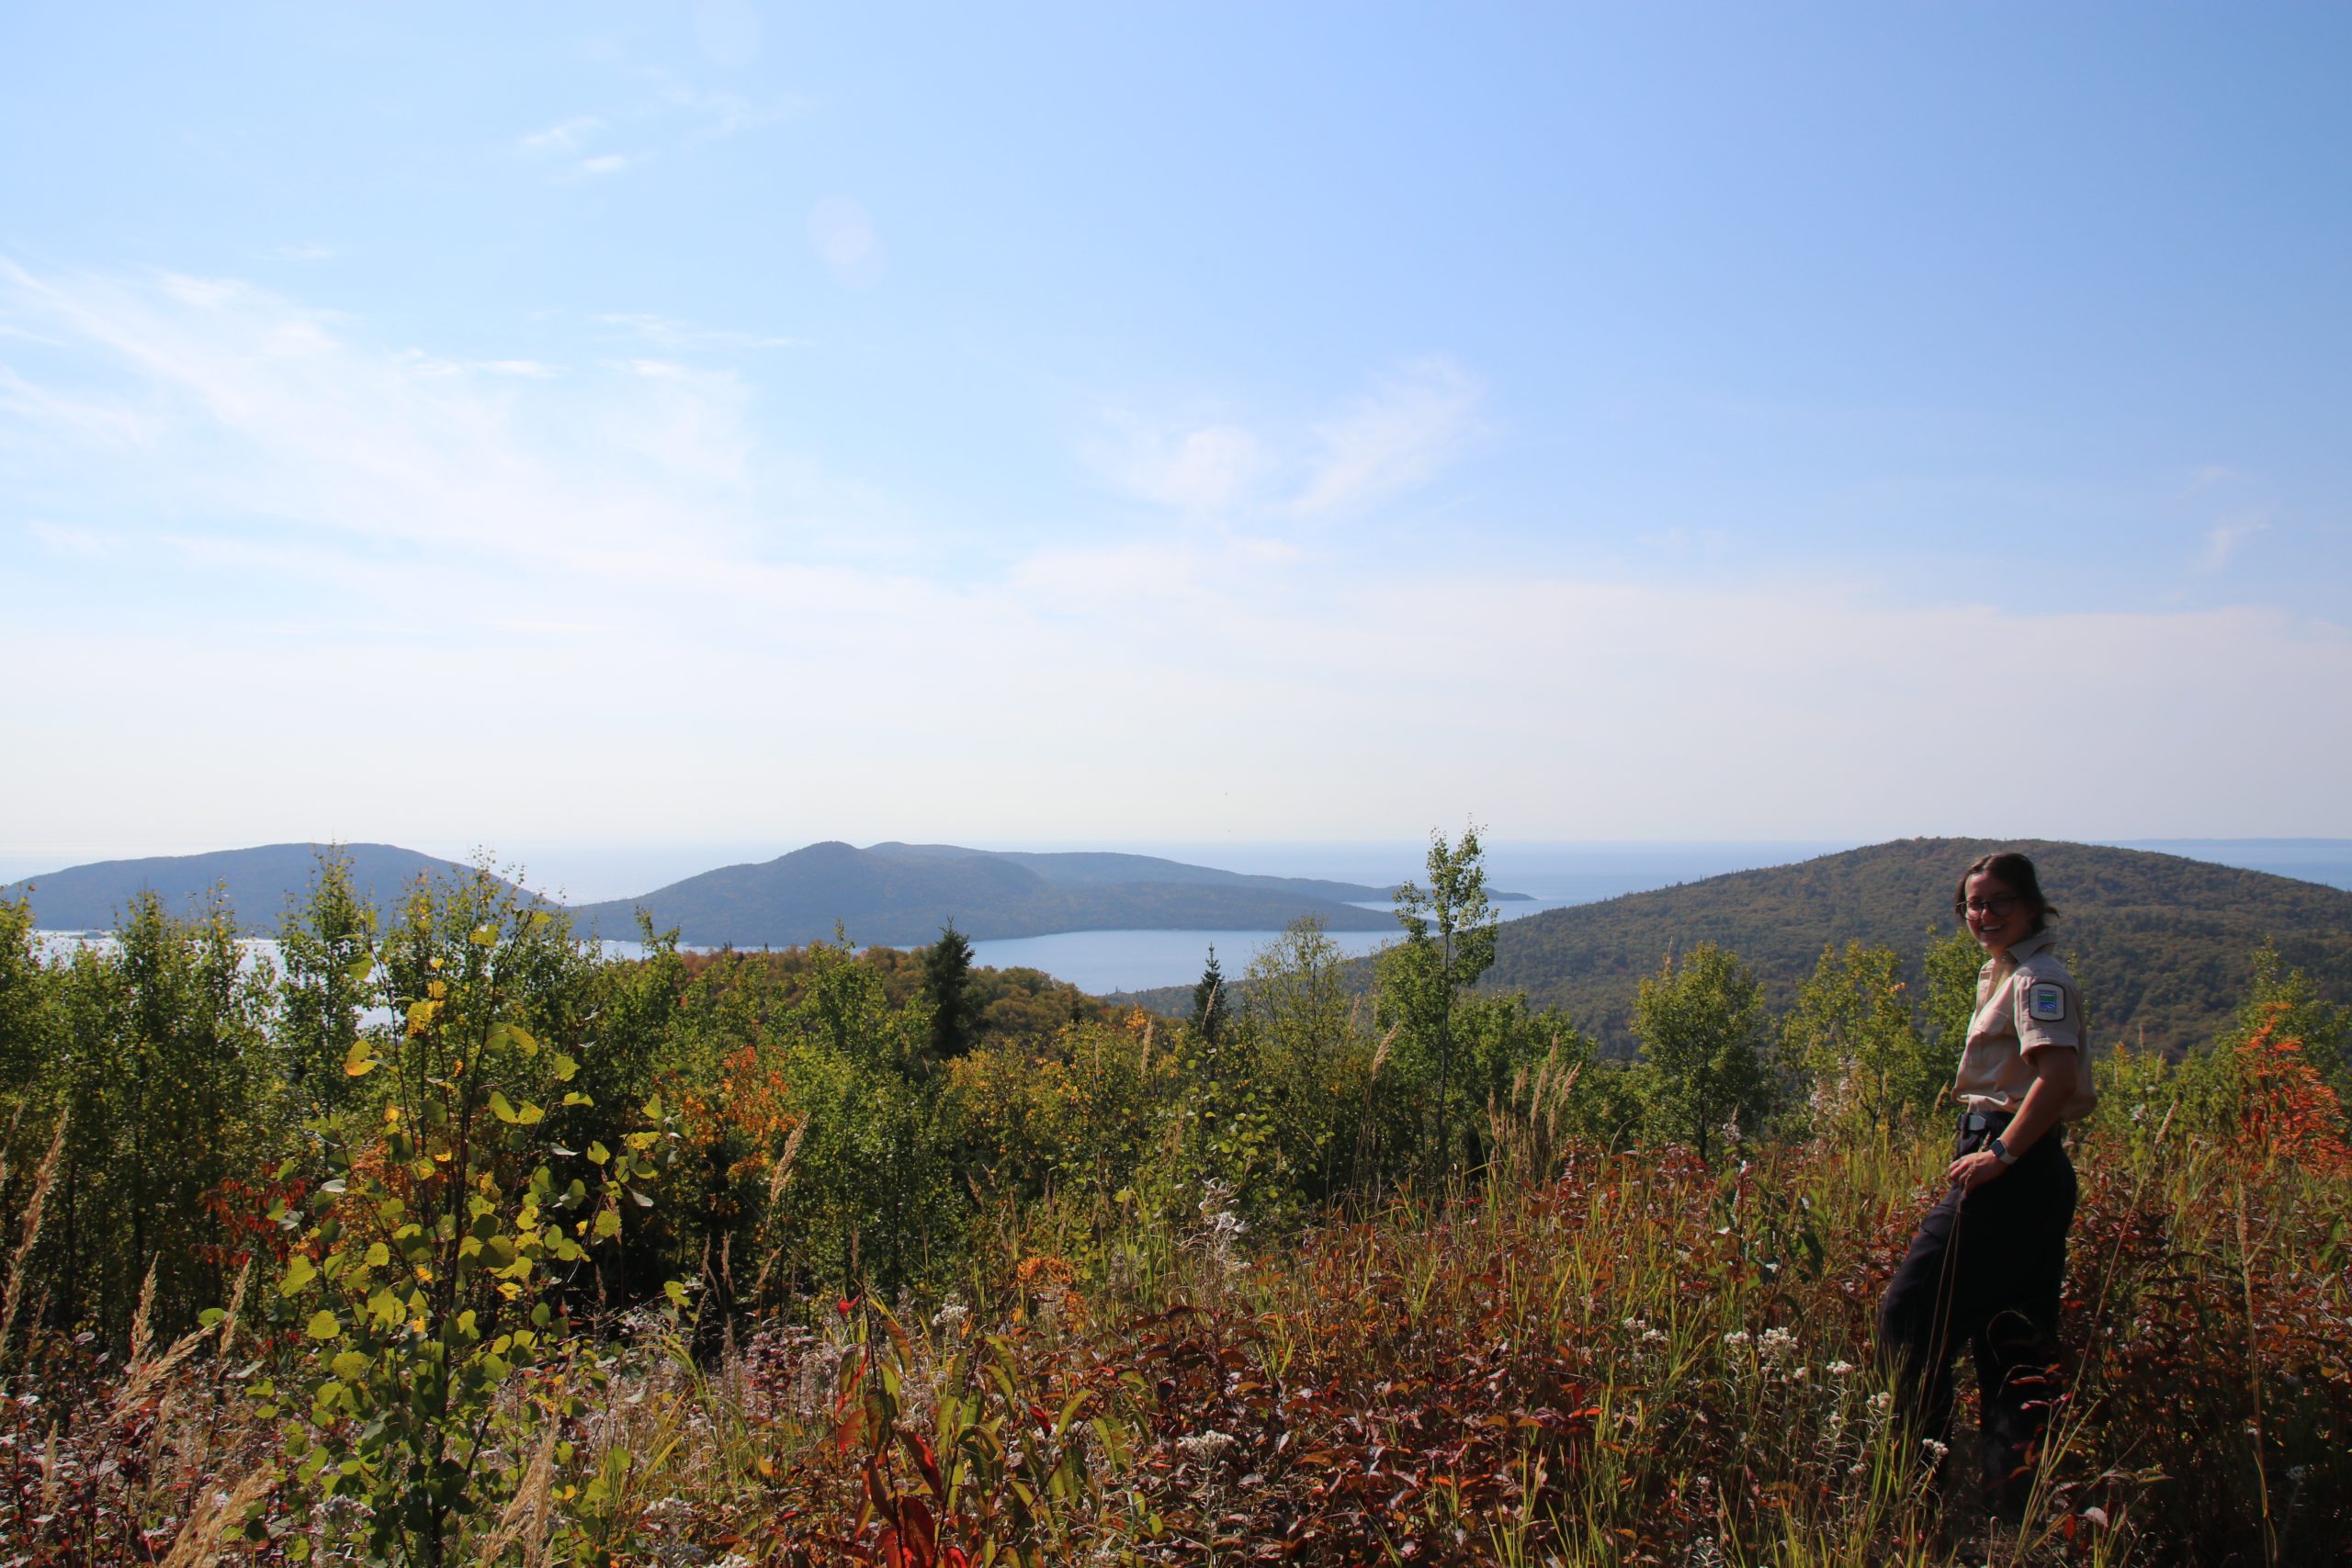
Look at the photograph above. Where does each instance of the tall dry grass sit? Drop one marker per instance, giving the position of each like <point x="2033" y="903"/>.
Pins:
<point x="1639" y="1360"/>
<point x="1604" y="1358"/>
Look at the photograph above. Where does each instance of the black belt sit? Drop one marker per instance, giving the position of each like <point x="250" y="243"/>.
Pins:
<point x="1985" y="1121"/>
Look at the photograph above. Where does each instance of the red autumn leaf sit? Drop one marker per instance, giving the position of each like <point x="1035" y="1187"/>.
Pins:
<point x="926" y="1460"/>
<point x="922" y="1536"/>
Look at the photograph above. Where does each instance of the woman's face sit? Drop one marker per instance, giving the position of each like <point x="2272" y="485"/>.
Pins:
<point x="1997" y="916"/>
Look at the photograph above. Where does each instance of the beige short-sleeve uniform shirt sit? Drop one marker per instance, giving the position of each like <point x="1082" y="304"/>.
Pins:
<point x="2026" y="1002"/>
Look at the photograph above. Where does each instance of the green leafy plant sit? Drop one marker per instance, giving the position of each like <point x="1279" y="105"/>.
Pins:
<point x="1701" y="1024"/>
<point x="1424" y="982"/>
<point x="1851" y="1035"/>
<point x="431" y="1292"/>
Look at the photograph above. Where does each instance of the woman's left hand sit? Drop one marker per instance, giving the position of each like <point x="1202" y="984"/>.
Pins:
<point x="1971" y="1171"/>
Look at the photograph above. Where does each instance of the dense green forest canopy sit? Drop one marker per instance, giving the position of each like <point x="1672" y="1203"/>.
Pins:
<point x="1009" y="1005"/>
<point x="2162" y="944"/>
<point x="903" y="894"/>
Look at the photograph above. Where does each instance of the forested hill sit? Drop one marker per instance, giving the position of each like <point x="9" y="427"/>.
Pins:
<point x="2162" y="945"/>
<point x="257" y="882"/>
<point x="904" y="893"/>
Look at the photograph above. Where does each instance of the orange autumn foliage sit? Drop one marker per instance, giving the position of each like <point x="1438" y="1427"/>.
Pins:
<point x="752" y="1101"/>
<point x="1042" y="1277"/>
<point x="2287" y="1111"/>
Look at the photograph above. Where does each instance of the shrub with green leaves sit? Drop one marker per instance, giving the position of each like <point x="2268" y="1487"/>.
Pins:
<point x="431" y="1286"/>
<point x="1851" y="1037"/>
<point x="1701" y="1022"/>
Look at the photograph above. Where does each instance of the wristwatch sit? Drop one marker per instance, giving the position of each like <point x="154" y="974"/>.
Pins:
<point x="2001" y="1152"/>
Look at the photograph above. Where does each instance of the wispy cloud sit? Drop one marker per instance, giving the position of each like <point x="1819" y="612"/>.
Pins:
<point x="2222" y="544"/>
<point x="841" y="232"/>
<point x="714" y="115"/>
<point x="1211" y="469"/>
<point x="424" y="364"/>
<point x="668" y="331"/>
<point x="563" y="138"/>
<point x="67" y="539"/>
<point x="252" y="408"/>
<point x="101" y="422"/>
<point x="402" y="542"/>
<point x="1394" y="438"/>
<point x="675" y="114"/>
<point x="309" y="251"/>
<point x="566" y="144"/>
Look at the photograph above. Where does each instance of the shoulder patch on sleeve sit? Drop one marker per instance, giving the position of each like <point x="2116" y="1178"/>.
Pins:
<point x="2045" y="1001"/>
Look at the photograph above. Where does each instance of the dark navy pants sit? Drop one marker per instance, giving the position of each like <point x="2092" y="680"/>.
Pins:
<point x="1984" y="1272"/>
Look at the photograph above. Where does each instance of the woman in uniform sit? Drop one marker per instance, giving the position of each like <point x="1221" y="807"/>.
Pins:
<point x="1985" y="1267"/>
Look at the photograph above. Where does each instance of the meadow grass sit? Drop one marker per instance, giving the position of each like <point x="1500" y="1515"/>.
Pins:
<point x="1593" y="1358"/>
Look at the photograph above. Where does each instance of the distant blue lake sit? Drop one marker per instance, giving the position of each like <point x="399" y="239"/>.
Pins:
<point x="1138" y="961"/>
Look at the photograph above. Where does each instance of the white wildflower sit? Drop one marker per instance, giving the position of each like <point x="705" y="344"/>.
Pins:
<point x="1841" y="1368"/>
<point x="1218" y="1236"/>
<point x="1205" y="1445"/>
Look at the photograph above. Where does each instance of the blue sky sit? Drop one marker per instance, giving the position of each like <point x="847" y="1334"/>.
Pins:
<point x="489" y="425"/>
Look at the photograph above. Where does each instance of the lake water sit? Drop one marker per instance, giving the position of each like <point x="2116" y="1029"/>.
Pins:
<point x="1136" y="960"/>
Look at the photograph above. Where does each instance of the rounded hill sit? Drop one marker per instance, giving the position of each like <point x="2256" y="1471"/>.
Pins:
<point x="2163" y="944"/>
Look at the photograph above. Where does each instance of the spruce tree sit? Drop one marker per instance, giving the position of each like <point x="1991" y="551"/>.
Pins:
<point x="1209" y="1001"/>
<point x="946" y="979"/>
